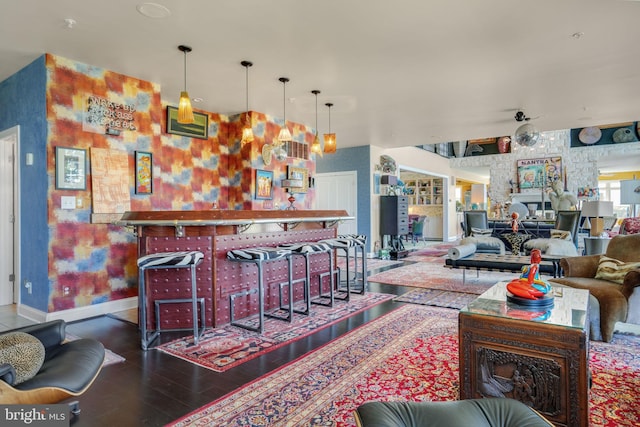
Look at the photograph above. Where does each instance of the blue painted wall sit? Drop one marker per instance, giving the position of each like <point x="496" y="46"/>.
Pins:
<point x="23" y="102"/>
<point x="349" y="159"/>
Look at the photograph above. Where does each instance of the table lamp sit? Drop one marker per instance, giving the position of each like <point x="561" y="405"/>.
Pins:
<point x="594" y="210"/>
<point x="630" y="193"/>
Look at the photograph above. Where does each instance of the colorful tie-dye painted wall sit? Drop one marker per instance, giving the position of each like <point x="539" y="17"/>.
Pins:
<point x="96" y="263"/>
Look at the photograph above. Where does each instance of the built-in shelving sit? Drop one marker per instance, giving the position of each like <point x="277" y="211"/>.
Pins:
<point x="424" y="191"/>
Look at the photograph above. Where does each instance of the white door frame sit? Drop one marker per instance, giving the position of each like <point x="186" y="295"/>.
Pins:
<point x="13" y="134"/>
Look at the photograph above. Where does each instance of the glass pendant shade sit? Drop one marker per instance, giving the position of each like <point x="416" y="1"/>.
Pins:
<point x="527" y="135"/>
<point x="247" y="133"/>
<point x="316" y="148"/>
<point x="329" y="143"/>
<point x="284" y="135"/>
<point x="185" y="112"/>
<point x="329" y="138"/>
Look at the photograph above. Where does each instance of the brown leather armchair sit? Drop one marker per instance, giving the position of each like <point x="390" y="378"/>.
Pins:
<point x="618" y="303"/>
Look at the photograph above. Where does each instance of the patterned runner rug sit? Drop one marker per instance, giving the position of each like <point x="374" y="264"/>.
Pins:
<point x="408" y="354"/>
<point x="437" y="298"/>
<point x="433" y="275"/>
<point x="223" y="348"/>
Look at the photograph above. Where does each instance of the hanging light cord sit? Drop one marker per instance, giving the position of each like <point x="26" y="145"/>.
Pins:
<point x="246" y="67"/>
<point x="316" y="113"/>
<point x="185" y="69"/>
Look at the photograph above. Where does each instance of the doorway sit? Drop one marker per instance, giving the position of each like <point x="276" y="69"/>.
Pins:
<point x="339" y="191"/>
<point x="9" y="224"/>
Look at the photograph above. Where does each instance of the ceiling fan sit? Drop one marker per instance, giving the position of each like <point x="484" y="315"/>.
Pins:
<point x="526" y="135"/>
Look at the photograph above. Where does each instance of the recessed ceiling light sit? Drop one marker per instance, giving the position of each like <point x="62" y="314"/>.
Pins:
<point x="198" y="99"/>
<point x="577" y="34"/>
<point x="69" y="23"/>
<point x="153" y="10"/>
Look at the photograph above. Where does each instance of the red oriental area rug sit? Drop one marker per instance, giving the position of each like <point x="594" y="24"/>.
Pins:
<point x="408" y="354"/>
<point x="220" y="349"/>
<point x="431" y="251"/>
<point x="433" y="275"/>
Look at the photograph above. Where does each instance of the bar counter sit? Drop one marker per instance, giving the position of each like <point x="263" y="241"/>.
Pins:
<point x="214" y="233"/>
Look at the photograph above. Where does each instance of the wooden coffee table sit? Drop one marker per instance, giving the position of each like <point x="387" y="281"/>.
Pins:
<point x="539" y="357"/>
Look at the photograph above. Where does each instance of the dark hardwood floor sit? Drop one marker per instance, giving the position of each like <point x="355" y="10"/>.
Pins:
<point x="152" y="388"/>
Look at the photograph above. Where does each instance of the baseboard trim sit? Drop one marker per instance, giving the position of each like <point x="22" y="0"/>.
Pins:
<point x="77" y="313"/>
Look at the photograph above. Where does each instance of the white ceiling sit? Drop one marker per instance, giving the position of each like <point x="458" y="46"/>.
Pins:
<point x="399" y="73"/>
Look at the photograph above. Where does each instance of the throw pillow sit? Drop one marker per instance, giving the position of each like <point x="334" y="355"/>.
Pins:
<point x="22" y="351"/>
<point x="516" y="240"/>
<point x="481" y="232"/>
<point x="561" y="234"/>
<point x="631" y="225"/>
<point x="614" y="270"/>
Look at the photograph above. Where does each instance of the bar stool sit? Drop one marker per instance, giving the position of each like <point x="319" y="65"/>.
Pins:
<point x="167" y="260"/>
<point x="345" y="243"/>
<point x="306" y="249"/>
<point x="360" y="241"/>
<point x="259" y="256"/>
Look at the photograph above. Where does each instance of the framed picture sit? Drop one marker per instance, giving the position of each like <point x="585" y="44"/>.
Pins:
<point x="264" y="185"/>
<point x="198" y="129"/>
<point x="144" y="172"/>
<point x="71" y="168"/>
<point x="301" y="174"/>
<point x="539" y="173"/>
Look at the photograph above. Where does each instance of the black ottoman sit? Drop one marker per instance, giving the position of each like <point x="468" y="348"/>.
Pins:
<point x="491" y="412"/>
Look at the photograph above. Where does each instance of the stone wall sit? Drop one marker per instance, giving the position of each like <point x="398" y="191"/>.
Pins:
<point x="580" y="163"/>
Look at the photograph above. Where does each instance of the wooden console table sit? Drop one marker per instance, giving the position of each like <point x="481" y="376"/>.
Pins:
<point x="539" y="357"/>
<point x="215" y="233"/>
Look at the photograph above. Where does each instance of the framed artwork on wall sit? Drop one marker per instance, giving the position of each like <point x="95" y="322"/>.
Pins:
<point x="264" y="185"/>
<point x="198" y="129"/>
<point x="298" y="174"/>
<point x="539" y="173"/>
<point x="71" y="168"/>
<point x="144" y="172"/>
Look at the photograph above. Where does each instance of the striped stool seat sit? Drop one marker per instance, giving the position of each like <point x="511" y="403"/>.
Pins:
<point x="169" y="260"/>
<point x="258" y="256"/>
<point x="306" y="249"/>
<point x="340" y="242"/>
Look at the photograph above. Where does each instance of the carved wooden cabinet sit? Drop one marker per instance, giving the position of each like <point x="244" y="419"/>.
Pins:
<point x="539" y="356"/>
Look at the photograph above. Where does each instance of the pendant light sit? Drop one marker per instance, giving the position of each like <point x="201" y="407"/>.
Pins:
<point x="315" y="146"/>
<point x="329" y="138"/>
<point x="247" y="131"/>
<point x="285" y="135"/>
<point x="185" y="112"/>
<point x="526" y="135"/>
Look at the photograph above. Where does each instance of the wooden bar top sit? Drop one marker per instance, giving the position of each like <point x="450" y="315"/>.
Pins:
<point x="229" y="217"/>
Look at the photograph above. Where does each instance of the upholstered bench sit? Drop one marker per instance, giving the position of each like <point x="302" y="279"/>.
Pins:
<point x="494" y="262"/>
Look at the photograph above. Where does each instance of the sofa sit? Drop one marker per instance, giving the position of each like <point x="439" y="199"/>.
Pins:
<point x="613" y="279"/>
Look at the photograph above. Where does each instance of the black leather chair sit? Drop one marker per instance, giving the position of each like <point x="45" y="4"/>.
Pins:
<point x="69" y="368"/>
<point x="477" y="219"/>
<point x="490" y="412"/>
<point x="569" y="221"/>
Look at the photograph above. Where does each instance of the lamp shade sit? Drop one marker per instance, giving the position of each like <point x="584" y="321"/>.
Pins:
<point x="630" y="192"/>
<point x="478" y="194"/>
<point x="597" y="208"/>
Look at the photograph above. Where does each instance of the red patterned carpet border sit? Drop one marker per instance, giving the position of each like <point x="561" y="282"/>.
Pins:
<point x="434" y="275"/>
<point x="408" y="354"/>
<point x="220" y="349"/>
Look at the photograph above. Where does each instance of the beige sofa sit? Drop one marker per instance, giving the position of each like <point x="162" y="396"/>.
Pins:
<point x="618" y="302"/>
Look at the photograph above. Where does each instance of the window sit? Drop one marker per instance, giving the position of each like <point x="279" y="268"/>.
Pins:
<point x="610" y="191"/>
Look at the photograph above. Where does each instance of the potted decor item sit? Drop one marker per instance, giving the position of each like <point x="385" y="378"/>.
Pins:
<point x="504" y="143"/>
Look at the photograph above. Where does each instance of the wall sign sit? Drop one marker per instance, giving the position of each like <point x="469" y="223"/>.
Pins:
<point x="106" y="117"/>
